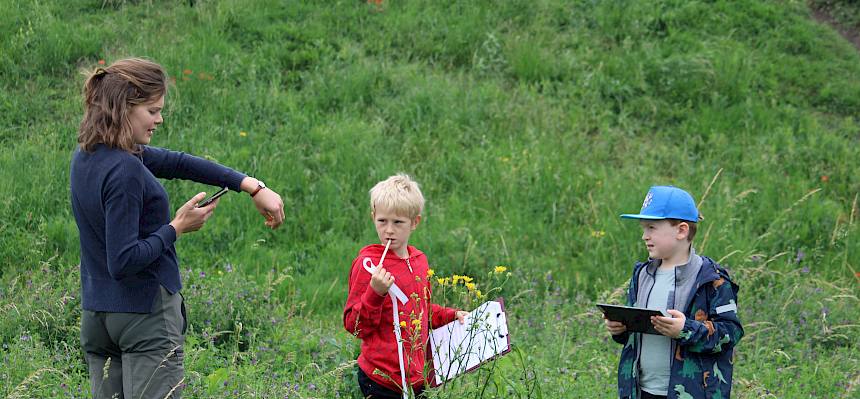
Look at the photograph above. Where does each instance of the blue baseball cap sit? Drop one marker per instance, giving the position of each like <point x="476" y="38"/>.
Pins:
<point x="667" y="202"/>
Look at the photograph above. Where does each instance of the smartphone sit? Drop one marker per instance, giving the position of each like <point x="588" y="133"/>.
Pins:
<point x="215" y="196"/>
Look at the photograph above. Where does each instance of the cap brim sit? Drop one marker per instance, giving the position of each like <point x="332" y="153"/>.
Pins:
<point x="640" y="216"/>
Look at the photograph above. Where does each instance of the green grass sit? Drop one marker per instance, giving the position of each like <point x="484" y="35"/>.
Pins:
<point x="530" y="125"/>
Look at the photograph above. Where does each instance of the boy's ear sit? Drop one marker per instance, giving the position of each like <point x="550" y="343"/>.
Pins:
<point x="683" y="231"/>
<point x="415" y="222"/>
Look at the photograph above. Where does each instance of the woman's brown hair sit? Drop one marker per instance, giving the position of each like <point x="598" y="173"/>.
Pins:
<point x="109" y="94"/>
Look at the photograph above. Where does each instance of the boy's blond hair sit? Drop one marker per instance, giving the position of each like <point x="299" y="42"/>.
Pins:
<point x="399" y="193"/>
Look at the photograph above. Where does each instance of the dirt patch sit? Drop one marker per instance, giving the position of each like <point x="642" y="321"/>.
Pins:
<point x="850" y="33"/>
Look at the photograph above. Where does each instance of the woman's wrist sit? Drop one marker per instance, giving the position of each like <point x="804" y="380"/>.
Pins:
<point x="249" y="184"/>
<point x="175" y="226"/>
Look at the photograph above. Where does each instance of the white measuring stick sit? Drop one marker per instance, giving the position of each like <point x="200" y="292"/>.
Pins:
<point x="396" y="294"/>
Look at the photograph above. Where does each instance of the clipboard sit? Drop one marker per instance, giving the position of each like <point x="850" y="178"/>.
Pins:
<point x="461" y="348"/>
<point x="636" y="319"/>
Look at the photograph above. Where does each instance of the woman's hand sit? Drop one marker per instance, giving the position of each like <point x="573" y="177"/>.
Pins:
<point x="271" y="206"/>
<point x="267" y="201"/>
<point x="191" y="218"/>
<point x="461" y="315"/>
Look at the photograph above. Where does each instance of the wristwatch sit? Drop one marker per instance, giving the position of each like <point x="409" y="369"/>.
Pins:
<point x="260" y="186"/>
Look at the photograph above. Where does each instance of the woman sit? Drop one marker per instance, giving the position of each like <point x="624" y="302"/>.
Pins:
<point x="133" y="322"/>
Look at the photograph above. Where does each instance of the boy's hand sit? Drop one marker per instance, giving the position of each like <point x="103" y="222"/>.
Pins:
<point x="461" y="315"/>
<point x="381" y="281"/>
<point x="669" y="326"/>
<point x="614" y="327"/>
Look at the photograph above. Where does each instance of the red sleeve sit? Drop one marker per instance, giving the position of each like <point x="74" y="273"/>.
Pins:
<point x="441" y="315"/>
<point x="363" y="308"/>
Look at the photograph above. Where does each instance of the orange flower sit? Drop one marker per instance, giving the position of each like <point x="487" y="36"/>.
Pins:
<point x="187" y="72"/>
<point x="101" y="62"/>
<point x="825" y="178"/>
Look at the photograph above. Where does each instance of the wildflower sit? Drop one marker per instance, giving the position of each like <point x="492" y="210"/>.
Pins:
<point x="101" y="62"/>
<point x="455" y="278"/>
<point x="441" y="281"/>
<point x="500" y="269"/>
<point x="402" y="324"/>
<point x="187" y="72"/>
<point x="825" y="178"/>
<point x="416" y="322"/>
<point x="466" y="279"/>
<point x="470" y="286"/>
<point x="479" y="294"/>
<point x="799" y="257"/>
<point x="202" y="274"/>
<point x="598" y="233"/>
<point x="243" y="133"/>
<point x="430" y="272"/>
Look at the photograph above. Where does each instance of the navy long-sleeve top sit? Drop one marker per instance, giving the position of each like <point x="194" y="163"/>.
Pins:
<point x="123" y="217"/>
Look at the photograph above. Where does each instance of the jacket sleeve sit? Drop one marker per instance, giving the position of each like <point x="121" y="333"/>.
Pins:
<point x="441" y="315"/>
<point x="168" y="164"/>
<point x="127" y="253"/>
<point x="363" y="310"/>
<point x="722" y="329"/>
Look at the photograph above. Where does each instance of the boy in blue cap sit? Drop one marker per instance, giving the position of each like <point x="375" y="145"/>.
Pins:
<point x="693" y="356"/>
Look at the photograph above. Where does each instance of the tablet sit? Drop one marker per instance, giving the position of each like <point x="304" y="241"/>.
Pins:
<point x="636" y="319"/>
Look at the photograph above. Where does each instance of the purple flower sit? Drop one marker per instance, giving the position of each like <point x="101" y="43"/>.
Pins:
<point x="228" y="268"/>
<point x="202" y="274"/>
<point x="805" y="269"/>
<point x="799" y="257"/>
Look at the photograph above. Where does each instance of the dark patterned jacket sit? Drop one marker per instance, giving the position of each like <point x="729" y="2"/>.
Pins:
<point x="702" y="357"/>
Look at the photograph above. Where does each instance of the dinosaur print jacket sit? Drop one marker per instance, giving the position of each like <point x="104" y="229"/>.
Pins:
<point x="702" y="356"/>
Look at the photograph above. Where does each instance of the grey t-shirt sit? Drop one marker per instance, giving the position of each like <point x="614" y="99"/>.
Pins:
<point x="654" y="361"/>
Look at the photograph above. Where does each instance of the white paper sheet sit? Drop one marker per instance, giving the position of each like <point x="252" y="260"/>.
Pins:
<point x="458" y="348"/>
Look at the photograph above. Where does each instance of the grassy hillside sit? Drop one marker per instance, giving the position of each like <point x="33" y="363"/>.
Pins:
<point x="530" y="124"/>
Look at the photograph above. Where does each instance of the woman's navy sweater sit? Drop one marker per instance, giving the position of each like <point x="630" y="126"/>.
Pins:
<point x="123" y="215"/>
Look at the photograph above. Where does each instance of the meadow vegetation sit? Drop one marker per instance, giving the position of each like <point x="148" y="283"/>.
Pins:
<point x="531" y="126"/>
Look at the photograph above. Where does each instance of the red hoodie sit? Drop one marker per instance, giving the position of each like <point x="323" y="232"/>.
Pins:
<point x="368" y="316"/>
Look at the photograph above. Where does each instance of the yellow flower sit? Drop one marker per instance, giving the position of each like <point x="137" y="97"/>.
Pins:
<point x="456" y="278"/>
<point x="598" y="233"/>
<point x="430" y="272"/>
<point x="467" y="279"/>
<point x="243" y="133"/>
<point x="416" y="322"/>
<point x="402" y="324"/>
<point x="441" y="281"/>
<point x="470" y="286"/>
<point x="479" y="294"/>
<point x="500" y="269"/>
